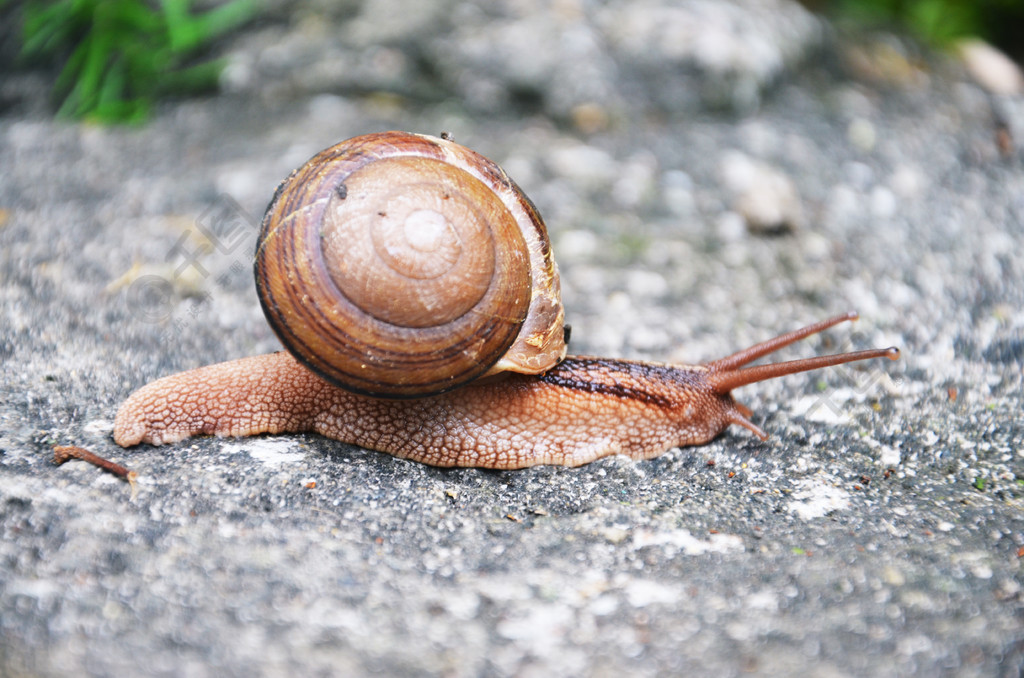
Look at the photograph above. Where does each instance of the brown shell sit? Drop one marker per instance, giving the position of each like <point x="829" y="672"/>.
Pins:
<point x="402" y="265"/>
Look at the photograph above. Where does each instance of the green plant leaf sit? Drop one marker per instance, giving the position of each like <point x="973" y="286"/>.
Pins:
<point x="195" y="78"/>
<point x="941" y="22"/>
<point x="120" y="55"/>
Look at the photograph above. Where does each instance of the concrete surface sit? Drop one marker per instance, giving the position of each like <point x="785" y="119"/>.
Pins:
<point x="878" y="532"/>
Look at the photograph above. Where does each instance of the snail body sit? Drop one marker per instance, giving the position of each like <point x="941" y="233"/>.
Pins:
<point x="478" y="381"/>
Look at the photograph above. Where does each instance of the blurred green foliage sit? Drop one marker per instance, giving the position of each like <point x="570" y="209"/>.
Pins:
<point x="940" y="22"/>
<point x="116" y="57"/>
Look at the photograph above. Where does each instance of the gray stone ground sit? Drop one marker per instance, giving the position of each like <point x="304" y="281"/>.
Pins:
<point x="877" y="533"/>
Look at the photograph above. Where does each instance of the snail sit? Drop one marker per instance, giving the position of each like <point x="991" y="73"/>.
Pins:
<point x="453" y="352"/>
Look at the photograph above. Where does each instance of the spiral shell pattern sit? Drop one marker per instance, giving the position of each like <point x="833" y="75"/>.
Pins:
<point x="401" y="265"/>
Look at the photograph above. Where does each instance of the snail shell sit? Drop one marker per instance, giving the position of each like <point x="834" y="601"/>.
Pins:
<point x="403" y="265"/>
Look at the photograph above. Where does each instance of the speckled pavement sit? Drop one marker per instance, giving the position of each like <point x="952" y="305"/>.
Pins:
<point x="878" y="532"/>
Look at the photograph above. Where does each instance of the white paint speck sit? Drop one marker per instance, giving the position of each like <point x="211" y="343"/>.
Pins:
<point x="890" y="456"/>
<point x="982" y="571"/>
<point x="817" y="500"/>
<point x="828" y="407"/>
<point x="682" y="540"/>
<point x="643" y="592"/>
<point x="98" y="427"/>
<point x="270" y="451"/>
<point x="766" y="600"/>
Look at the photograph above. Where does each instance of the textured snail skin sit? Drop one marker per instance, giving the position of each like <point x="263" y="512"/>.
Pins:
<point x="583" y="409"/>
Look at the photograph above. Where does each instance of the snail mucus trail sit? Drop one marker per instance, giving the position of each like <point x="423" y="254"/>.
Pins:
<point x="414" y="287"/>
